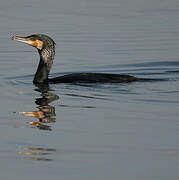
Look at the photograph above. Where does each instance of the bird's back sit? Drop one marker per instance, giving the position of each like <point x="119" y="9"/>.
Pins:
<point x="93" y="78"/>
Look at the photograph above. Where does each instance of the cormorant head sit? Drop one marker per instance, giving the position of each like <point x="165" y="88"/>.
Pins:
<point x="39" y="41"/>
<point x="46" y="48"/>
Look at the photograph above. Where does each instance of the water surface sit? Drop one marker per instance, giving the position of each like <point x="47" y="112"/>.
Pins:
<point x="94" y="131"/>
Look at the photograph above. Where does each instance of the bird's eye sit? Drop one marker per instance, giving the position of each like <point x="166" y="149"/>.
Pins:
<point x="32" y="39"/>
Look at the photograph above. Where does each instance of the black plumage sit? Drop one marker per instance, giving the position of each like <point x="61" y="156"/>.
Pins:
<point x="46" y="48"/>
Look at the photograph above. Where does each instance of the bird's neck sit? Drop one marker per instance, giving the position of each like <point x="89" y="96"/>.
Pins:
<point x="46" y="61"/>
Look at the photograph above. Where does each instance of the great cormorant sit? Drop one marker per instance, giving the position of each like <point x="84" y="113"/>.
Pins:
<point x="46" y="48"/>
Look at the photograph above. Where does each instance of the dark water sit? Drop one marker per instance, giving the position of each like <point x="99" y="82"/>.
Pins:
<point x="121" y="131"/>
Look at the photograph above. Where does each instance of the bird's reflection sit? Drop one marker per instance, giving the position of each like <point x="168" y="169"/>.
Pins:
<point x="46" y="112"/>
<point x="43" y="102"/>
<point x="36" y="153"/>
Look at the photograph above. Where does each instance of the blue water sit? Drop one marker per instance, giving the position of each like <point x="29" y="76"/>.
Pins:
<point x="91" y="131"/>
